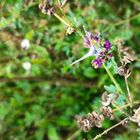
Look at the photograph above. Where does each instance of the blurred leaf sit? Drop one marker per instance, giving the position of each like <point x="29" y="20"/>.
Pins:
<point x="52" y="133"/>
<point x="110" y="89"/>
<point x="89" y="73"/>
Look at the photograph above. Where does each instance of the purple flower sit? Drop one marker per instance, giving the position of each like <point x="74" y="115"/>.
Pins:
<point x="110" y="55"/>
<point x="88" y="39"/>
<point x="96" y="38"/>
<point x="107" y="45"/>
<point x="97" y="63"/>
<point x="100" y="52"/>
<point x="87" y="42"/>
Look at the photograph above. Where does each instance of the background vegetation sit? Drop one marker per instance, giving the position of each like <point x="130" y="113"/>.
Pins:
<point x="42" y="104"/>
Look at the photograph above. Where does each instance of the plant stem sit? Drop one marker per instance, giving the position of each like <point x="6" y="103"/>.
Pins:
<point x="64" y="2"/>
<point x="113" y="79"/>
<point x="107" y="130"/>
<point x="128" y="91"/>
<point x="126" y="20"/>
<point x="73" y="136"/>
<point x="62" y="20"/>
<point x="125" y="106"/>
<point x="68" y="24"/>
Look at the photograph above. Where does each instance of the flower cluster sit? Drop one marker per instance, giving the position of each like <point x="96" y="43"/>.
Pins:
<point x="98" y="47"/>
<point x="92" y="119"/>
<point x="127" y="55"/>
<point x="96" y="119"/>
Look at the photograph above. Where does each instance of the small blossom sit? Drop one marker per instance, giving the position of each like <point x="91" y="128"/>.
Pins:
<point x="89" y="39"/>
<point x="26" y="66"/>
<point x="107" y="45"/>
<point x="25" y="44"/>
<point x="97" y="63"/>
<point x="110" y="55"/>
<point x="87" y="42"/>
<point x="92" y="52"/>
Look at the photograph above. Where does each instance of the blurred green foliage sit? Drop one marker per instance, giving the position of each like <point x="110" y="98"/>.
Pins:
<point x="41" y="105"/>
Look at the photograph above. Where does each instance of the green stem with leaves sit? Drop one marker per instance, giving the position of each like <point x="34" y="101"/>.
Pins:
<point x="113" y="79"/>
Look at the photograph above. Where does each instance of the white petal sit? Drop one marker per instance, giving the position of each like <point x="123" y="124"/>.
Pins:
<point x="90" y="53"/>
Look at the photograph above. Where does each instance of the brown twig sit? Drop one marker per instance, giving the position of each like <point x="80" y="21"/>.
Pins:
<point x="128" y="91"/>
<point x="67" y="81"/>
<point x="109" y="129"/>
<point x="63" y="3"/>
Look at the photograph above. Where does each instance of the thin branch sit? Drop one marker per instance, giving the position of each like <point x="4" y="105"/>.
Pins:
<point x="73" y="136"/>
<point x="109" y="129"/>
<point x="59" y="3"/>
<point x="125" y="106"/>
<point x="63" y="3"/>
<point x="121" y="110"/>
<point x="128" y="91"/>
<point x="126" y="20"/>
<point x="62" y="20"/>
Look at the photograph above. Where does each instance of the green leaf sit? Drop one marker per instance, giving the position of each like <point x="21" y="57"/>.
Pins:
<point x="111" y="89"/>
<point x="52" y="134"/>
<point x="89" y="72"/>
<point x="122" y="99"/>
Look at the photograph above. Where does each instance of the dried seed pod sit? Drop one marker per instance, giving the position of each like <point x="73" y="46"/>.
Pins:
<point x="107" y="99"/>
<point x="122" y="70"/>
<point x="99" y="120"/>
<point x="83" y="123"/>
<point x="119" y="42"/>
<point x="92" y="119"/>
<point x="128" y="55"/>
<point x="107" y="112"/>
<point x="136" y="116"/>
<point x="46" y="7"/>
<point x="70" y="30"/>
<point x="128" y="73"/>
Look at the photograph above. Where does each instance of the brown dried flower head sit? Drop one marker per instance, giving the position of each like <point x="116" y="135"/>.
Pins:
<point x="136" y="116"/>
<point x="92" y="119"/>
<point x="70" y="30"/>
<point x="107" y="112"/>
<point x="46" y="7"/>
<point x="123" y="71"/>
<point x="128" y="55"/>
<point x="107" y="99"/>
